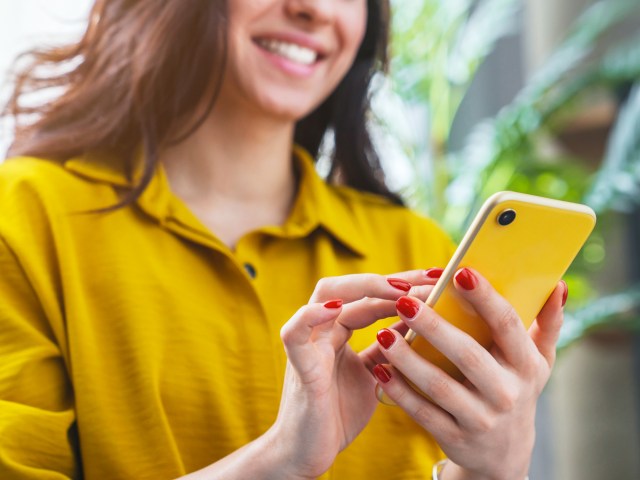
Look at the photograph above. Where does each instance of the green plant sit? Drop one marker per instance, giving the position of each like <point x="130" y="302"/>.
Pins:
<point x="511" y="151"/>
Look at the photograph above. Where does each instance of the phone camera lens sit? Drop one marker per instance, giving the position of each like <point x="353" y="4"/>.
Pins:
<point x="507" y="217"/>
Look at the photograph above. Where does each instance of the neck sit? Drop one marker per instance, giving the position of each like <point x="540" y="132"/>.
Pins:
<point x="235" y="173"/>
<point x="232" y="157"/>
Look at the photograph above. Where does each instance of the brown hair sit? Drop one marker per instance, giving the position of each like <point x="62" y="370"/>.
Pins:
<point x="143" y="67"/>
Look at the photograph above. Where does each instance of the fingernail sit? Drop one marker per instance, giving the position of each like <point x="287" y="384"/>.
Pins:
<point x="333" y="304"/>
<point x="466" y="279"/>
<point x="565" y="294"/>
<point x="434" y="272"/>
<point x="408" y="307"/>
<point x="382" y="373"/>
<point x="386" y="338"/>
<point x="399" y="284"/>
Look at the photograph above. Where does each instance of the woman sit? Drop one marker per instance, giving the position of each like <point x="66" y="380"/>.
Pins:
<point x="163" y="220"/>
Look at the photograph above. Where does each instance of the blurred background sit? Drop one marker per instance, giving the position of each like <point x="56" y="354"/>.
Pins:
<point x="537" y="96"/>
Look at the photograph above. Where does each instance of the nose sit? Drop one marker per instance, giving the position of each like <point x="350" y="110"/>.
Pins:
<point x="311" y="11"/>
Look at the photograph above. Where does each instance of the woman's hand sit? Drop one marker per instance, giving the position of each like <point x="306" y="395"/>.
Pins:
<point x="328" y="395"/>
<point x="485" y="425"/>
<point x="328" y="389"/>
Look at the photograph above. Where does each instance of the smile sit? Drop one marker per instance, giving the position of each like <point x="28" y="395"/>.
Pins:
<point x="290" y="51"/>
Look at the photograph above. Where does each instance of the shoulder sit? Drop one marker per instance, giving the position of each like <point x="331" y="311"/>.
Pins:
<point x="28" y="177"/>
<point x="28" y="185"/>
<point x="38" y="194"/>
<point x="29" y="181"/>
<point x="23" y="171"/>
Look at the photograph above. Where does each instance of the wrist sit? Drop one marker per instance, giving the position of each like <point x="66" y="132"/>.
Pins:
<point x="263" y="458"/>
<point x="280" y="457"/>
<point x="456" y="472"/>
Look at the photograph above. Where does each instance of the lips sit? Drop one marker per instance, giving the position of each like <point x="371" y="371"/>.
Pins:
<point x="291" y="51"/>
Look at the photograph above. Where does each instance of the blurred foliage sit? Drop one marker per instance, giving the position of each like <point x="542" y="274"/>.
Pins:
<point x="438" y="47"/>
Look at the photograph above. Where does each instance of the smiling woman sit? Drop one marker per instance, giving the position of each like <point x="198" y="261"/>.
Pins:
<point x="188" y="67"/>
<point x="183" y="295"/>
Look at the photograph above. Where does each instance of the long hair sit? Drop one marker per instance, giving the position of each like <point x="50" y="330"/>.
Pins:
<point x="142" y="69"/>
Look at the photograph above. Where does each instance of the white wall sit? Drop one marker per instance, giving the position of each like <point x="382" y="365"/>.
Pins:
<point x="28" y="23"/>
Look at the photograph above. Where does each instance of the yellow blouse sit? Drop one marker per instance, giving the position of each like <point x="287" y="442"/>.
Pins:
<point x="136" y="345"/>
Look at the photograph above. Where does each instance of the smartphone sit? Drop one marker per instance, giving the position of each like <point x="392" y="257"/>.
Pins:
<point x="522" y="244"/>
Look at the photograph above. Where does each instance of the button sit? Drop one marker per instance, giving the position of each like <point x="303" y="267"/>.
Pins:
<point x="250" y="269"/>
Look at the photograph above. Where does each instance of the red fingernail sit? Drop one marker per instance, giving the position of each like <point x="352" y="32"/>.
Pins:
<point x="565" y="294"/>
<point x="399" y="284"/>
<point x="382" y="373"/>
<point x="333" y="304"/>
<point x="408" y="307"/>
<point x="386" y="338"/>
<point x="434" y="272"/>
<point x="466" y="279"/>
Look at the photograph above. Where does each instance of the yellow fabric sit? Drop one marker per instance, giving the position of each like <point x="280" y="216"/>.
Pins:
<point x="134" y="345"/>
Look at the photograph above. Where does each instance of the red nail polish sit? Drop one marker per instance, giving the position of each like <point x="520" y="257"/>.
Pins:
<point x="466" y="279"/>
<point x="434" y="272"/>
<point x="382" y="373"/>
<point x="333" y="304"/>
<point x="399" y="284"/>
<point x="408" y="307"/>
<point x="386" y="338"/>
<point x="565" y="294"/>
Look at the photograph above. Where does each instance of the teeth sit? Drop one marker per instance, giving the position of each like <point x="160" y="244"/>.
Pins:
<point x="290" y="51"/>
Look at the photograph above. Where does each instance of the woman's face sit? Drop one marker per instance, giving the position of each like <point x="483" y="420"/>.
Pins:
<point x="287" y="56"/>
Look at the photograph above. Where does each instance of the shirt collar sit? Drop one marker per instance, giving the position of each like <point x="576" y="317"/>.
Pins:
<point x="317" y="204"/>
<point x="321" y="205"/>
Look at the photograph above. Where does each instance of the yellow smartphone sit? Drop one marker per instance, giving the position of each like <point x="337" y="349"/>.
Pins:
<point x="522" y="244"/>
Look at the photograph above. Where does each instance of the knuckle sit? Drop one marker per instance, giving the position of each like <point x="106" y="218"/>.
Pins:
<point x="421" y="291"/>
<point x="507" y="319"/>
<point x="431" y="323"/>
<point x="485" y="424"/>
<point x="532" y="364"/>
<point x="454" y="436"/>
<point x="286" y="332"/>
<point x="422" y="414"/>
<point x="372" y="277"/>
<point x="470" y="357"/>
<point x="440" y="387"/>
<point x="506" y="399"/>
<point x="400" y="395"/>
<point x="323" y="285"/>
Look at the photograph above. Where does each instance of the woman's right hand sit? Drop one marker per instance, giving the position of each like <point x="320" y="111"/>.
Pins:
<point x="328" y="394"/>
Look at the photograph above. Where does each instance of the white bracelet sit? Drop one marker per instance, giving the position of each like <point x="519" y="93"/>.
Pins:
<point x="438" y="467"/>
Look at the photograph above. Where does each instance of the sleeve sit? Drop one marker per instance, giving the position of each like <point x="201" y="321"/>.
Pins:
<point x="38" y="437"/>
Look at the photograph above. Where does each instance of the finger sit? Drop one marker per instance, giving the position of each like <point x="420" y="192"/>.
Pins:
<point x="445" y="391"/>
<point x="365" y="312"/>
<point x="429" y="415"/>
<point x="546" y="329"/>
<point x="422" y="281"/>
<point x="362" y="313"/>
<point x="351" y="288"/>
<point x="420" y="277"/>
<point x="372" y="355"/>
<point x="508" y="332"/>
<point x="297" y="333"/>
<point x="475" y="362"/>
<point x="421" y="291"/>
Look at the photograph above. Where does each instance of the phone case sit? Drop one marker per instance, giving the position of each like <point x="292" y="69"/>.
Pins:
<point x="523" y="260"/>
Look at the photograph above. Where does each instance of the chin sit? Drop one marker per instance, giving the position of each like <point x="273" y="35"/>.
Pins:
<point x="289" y="113"/>
<point x="289" y="107"/>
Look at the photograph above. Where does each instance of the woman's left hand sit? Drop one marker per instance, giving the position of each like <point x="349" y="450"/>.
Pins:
<point x="485" y="425"/>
